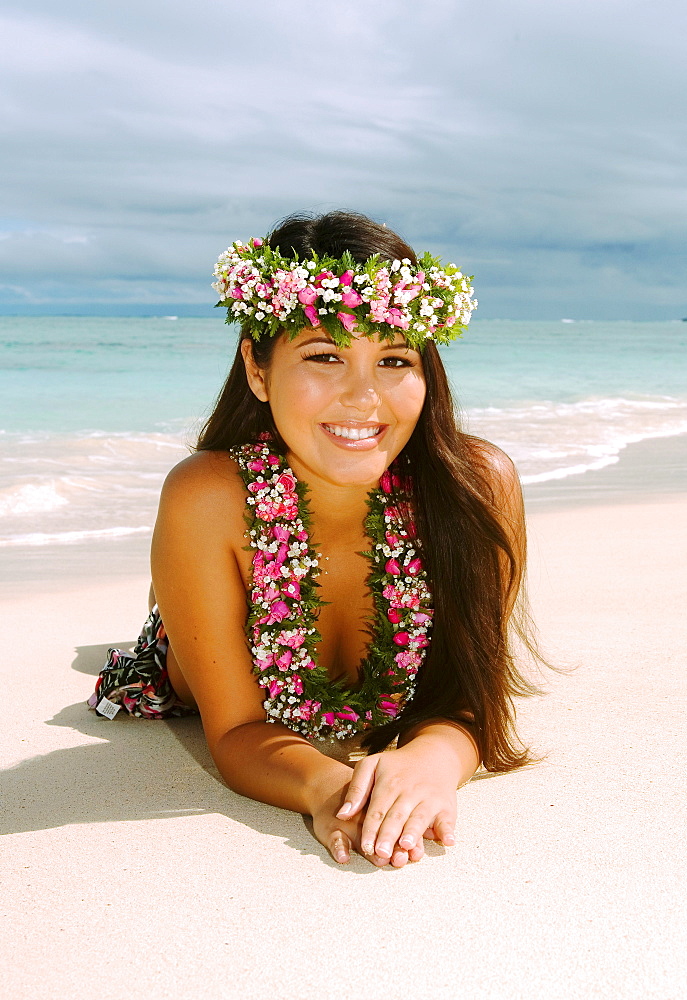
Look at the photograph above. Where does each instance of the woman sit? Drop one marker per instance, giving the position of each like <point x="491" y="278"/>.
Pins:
<point x="379" y="594"/>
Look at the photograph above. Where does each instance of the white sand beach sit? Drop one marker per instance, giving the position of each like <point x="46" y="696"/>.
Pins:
<point x="130" y="870"/>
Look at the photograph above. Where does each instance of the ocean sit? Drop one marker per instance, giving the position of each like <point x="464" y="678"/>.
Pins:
<point x="95" y="411"/>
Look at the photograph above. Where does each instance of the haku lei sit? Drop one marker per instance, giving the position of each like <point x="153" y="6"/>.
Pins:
<point x="282" y="620"/>
<point x="268" y="293"/>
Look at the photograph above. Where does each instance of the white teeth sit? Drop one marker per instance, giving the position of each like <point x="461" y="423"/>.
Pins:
<point x="353" y="433"/>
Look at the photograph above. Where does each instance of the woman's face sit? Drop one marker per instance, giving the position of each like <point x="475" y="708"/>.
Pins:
<point x="344" y="413"/>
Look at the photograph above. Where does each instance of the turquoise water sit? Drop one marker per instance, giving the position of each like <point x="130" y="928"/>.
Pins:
<point x="67" y="374"/>
<point x="94" y="411"/>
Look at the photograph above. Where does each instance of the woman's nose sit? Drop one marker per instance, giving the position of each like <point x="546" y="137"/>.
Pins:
<point x="359" y="390"/>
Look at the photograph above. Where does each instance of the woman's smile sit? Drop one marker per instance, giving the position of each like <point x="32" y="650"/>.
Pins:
<point x="352" y="435"/>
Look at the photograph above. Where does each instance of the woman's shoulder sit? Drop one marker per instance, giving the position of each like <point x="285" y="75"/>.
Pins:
<point x="206" y="487"/>
<point x="499" y="471"/>
<point x="494" y="462"/>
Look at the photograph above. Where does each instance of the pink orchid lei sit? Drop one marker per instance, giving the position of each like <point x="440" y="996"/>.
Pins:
<point x="267" y="293"/>
<point x="283" y="605"/>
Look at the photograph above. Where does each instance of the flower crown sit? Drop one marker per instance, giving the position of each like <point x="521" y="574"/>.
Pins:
<point x="267" y="293"/>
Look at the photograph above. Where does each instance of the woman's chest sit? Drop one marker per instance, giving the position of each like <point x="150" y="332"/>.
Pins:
<point x="347" y="613"/>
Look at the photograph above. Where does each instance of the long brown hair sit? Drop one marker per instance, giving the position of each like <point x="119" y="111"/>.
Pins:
<point x="469" y="672"/>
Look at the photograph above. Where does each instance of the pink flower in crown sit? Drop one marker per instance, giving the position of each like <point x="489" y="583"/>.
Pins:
<point x="284" y="661"/>
<point x="256" y="465"/>
<point x="392" y="567"/>
<point x="263" y="662"/>
<point x="378" y="310"/>
<point x="312" y="315"/>
<point x="308" y="709"/>
<point x="271" y="592"/>
<point x="382" y="281"/>
<point x="421" y="618"/>
<point x="236" y="292"/>
<point x="346" y="278"/>
<point x="401" y="638"/>
<point x="292" y="641"/>
<point x="287" y="481"/>
<point x="347" y="320"/>
<point x="322" y="276"/>
<point x="394" y="616"/>
<point x="293" y="590"/>
<point x="281" y="533"/>
<point x="296" y="685"/>
<point x="392" y="540"/>
<point x="328" y="718"/>
<point x="403" y="294"/>
<point x="308" y="295"/>
<point x="258" y="487"/>
<point x="307" y="663"/>
<point x="395" y="317"/>
<point x="351" y="298"/>
<point x="302" y="536"/>
<point x="414" y="567"/>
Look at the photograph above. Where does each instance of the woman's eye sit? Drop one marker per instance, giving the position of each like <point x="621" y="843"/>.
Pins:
<point x="320" y="357"/>
<point x="397" y="362"/>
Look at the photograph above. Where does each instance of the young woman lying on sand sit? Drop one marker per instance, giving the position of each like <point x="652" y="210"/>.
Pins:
<point x="382" y="558"/>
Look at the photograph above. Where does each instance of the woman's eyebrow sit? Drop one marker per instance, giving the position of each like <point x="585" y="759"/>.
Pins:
<point x="331" y="343"/>
<point x="317" y="340"/>
<point x="397" y="347"/>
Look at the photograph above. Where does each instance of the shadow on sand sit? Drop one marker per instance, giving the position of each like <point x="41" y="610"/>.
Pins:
<point x="137" y="770"/>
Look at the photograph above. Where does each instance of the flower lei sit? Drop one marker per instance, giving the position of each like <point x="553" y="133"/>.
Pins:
<point x="281" y="624"/>
<point x="268" y="293"/>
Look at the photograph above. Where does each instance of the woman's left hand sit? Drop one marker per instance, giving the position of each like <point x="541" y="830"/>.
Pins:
<point x="409" y="792"/>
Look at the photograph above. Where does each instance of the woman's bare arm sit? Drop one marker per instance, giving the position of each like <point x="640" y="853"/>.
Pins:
<point x="202" y="600"/>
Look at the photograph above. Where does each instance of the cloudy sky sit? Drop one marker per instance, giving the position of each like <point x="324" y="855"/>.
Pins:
<point x="540" y="145"/>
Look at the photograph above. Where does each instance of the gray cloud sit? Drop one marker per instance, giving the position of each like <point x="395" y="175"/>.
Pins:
<point x="540" y="145"/>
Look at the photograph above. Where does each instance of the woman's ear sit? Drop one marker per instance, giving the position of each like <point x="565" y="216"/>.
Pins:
<point x="255" y="375"/>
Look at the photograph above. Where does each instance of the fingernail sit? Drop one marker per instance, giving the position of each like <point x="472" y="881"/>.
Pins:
<point x="449" y="840"/>
<point x="383" y="851"/>
<point x="345" y="809"/>
<point x="407" y="841"/>
<point x="368" y="848"/>
<point x="341" y="857"/>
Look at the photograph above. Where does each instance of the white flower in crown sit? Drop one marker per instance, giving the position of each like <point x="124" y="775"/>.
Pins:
<point x="269" y="293"/>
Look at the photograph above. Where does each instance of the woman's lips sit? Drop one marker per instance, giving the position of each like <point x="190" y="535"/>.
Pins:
<point x="351" y="444"/>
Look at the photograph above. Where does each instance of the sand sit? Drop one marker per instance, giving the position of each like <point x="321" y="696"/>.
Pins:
<point x="129" y="870"/>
